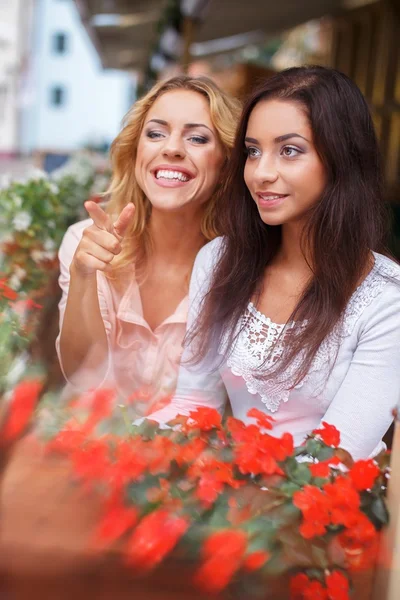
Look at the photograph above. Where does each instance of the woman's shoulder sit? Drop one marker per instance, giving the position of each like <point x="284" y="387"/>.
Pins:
<point x="210" y="253"/>
<point x="386" y="267"/>
<point x="378" y="296"/>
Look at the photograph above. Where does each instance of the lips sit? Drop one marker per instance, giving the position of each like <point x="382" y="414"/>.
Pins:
<point x="270" y="199"/>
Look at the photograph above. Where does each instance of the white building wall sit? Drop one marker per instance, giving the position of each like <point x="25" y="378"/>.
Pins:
<point x="15" y="23"/>
<point x="95" y="100"/>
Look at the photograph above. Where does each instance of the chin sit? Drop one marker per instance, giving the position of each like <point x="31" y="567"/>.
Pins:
<point x="168" y="204"/>
<point x="272" y="220"/>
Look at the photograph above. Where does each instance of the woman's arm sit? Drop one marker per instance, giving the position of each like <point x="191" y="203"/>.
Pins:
<point x="82" y="345"/>
<point x="201" y="384"/>
<point x="362" y="408"/>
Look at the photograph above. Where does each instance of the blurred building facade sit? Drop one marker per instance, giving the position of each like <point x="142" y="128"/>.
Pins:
<point x="15" y="35"/>
<point x="68" y="100"/>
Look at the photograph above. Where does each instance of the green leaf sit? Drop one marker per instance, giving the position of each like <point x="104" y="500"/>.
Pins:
<point x="289" y="488"/>
<point x="378" y="512"/>
<point x="298" y="472"/>
<point x="147" y="429"/>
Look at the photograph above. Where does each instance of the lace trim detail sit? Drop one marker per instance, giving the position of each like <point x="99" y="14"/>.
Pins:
<point x="260" y="343"/>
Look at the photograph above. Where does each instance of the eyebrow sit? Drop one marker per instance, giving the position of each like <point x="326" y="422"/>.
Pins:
<point x="279" y="139"/>
<point x="186" y="125"/>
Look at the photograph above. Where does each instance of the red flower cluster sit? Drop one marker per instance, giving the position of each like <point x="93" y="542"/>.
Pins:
<point x="154" y="538"/>
<point x="335" y="587"/>
<point x="22" y="405"/>
<point x="7" y="292"/>
<point x="337" y="503"/>
<point x="163" y="484"/>
<point x="328" y="434"/>
<point x="258" y="453"/>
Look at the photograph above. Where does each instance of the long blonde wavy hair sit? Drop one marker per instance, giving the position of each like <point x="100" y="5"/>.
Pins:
<point x="224" y="113"/>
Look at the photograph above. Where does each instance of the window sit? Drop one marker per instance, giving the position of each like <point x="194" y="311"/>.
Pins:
<point x="60" y="43"/>
<point x="57" y="95"/>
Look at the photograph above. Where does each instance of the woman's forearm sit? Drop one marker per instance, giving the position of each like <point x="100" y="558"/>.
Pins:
<point x="83" y="338"/>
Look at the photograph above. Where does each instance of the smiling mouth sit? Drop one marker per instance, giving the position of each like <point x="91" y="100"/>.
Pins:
<point x="271" y="197"/>
<point x="170" y="175"/>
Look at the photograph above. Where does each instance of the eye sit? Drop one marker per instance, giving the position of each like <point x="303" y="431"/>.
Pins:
<point x="198" y="139"/>
<point x="252" y="152"/>
<point x="154" y="135"/>
<point x="290" y="151"/>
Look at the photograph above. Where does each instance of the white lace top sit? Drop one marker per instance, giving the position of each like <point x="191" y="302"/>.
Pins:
<point x="353" y="382"/>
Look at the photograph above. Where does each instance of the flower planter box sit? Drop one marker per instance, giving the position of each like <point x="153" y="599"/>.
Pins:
<point x="46" y="526"/>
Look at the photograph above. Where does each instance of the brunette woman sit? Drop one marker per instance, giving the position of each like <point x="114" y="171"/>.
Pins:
<point x="296" y="311"/>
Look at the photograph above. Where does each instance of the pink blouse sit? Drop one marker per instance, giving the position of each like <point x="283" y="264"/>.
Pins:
<point x="142" y="363"/>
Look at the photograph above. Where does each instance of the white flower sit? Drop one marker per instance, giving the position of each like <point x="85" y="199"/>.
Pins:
<point x="22" y="220"/>
<point x="37" y="255"/>
<point x="36" y="175"/>
<point x="5" y="181"/>
<point x="14" y="282"/>
<point x="53" y="187"/>
<point x="17" y="200"/>
<point x="49" y="244"/>
<point x="20" y="272"/>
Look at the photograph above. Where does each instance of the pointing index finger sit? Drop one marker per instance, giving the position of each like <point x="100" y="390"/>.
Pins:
<point x="99" y="217"/>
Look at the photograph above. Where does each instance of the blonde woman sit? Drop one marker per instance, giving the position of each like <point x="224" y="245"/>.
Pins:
<point x="125" y="273"/>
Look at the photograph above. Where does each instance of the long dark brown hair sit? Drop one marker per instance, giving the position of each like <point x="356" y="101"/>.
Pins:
<point x="347" y="223"/>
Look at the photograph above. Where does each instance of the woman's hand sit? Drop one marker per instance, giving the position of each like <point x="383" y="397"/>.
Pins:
<point x="102" y="240"/>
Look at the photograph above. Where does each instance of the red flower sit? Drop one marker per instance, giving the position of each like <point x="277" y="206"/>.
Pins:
<point x="30" y="304"/>
<point x="130" y="462"/>
<point x="344" y="499"/>
<point x="6" y="291"/>
<point x="223" y="552"/>
<point x="315" y="591"/>
<point x="359" y="533"/>
<point x="263" y="420"/>
<point x="190" y="451"/>
<point x="315" y="506"/>
<point x="66" y="441"/>
<point x="256" y="560"/>
<point x="212" y="475"/>
<point x="329" y="434"/>
<point x="337" y="586"/>
<point x="259" y="453"/>
<point x="101" y="404"/>
<point x="117" y="520"/>
<point x="155" y="536"/>
<point x="203" y="418"/>
<point x="323" y="468"/>
<point x="92" y="461"/>
<point x="363" y="474"/>
<point x="22" y="406"/>
<point x="303" y="588"/>
<point x="298" y="584"/>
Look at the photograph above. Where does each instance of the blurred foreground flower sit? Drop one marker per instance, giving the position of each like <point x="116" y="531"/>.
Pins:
<point x="229" y="502"/>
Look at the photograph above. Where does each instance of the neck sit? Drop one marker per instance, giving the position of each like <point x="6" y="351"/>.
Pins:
<point x="176" y="236"/>
<point x="291" y="253"/>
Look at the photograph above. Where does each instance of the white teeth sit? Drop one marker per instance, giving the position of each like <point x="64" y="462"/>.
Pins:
<point x="271" y="197"/>
<point x="171" y="175"/>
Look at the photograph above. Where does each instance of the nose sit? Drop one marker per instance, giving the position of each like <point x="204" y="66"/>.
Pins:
<point x="266" y="170"/>
<point x="174" y="147"/>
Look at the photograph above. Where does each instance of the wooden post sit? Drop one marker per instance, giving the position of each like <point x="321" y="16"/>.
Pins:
<point x="387" y="580"/>
<point x="188" y="32"/>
